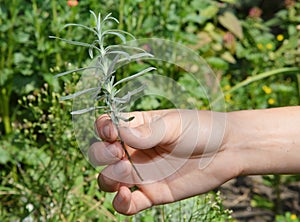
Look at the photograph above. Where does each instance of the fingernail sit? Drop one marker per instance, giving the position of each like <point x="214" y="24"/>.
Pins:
<point x="106" y="131"/>
<point x="119" y="198"/>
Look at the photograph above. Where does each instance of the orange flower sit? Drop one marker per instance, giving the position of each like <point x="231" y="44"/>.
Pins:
<point x="72" y="3"/>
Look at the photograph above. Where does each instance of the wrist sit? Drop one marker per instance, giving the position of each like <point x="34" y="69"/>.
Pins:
<point x="265" y="141"/>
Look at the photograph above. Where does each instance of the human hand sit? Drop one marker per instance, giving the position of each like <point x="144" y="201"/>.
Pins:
<point x="179" y="154"/>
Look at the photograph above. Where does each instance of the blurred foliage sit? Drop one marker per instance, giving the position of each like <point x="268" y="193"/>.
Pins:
<point x="43" y="175"/>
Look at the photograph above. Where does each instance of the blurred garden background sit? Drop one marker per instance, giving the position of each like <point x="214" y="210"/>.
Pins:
<point x="253" y="46"/>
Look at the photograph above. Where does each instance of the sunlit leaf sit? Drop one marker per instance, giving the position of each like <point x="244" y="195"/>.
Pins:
<point x="75" y="42"/>
<point x="231" y="22"/>
<point x="134" y="76"/>
<point x="72" y="96"/>
<point x="75" y="70"/>
<point x="136" y="56"/>
<point x="82" y="111"/>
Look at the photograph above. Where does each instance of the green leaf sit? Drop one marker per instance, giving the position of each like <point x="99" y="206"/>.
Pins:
<point x="5" y="76"/>
<point x="228" y="57"/>
<point x="109" y="17"/>
<point x="4" y="156"/>
<point x="75" y="70"/>
<point x="136" y="56"/>
<point x="72" y="96"/>
<point x="127" y="97"/>
<point x="217" y="63"/>
<point x="126" y="119"/>
<point x="229" y="1"/>
<point x="210" y="11"/>
<point x="116" y="33"/>
<point x="86" y="110"/>
<point x="194" y="18"/>
<point x="19" y="58"/>
<point x="76" y="43"/>
<point x="81" y="26"/>
<point x="134" y="76"/>
<point x="231" y="22"/>
<point x="22" y="37"/>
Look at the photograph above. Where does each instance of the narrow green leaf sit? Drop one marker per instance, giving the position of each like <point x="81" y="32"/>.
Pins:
<point x="134" y="76"/>
<point x="112" y="65"/>
<point x="125" y="47"/>
<point x="113" y="19"/>
<point x="120" y="53"/>
<point x="82" y="111"/>
<point x="136" y="56"/>
<point x="75" y="42"/>
<point x="124" y="32"/>
<point x="108" y="32"/>
<point x="98" y="22"/>
<point x="94" y="15"/>
<point x="109" y="17"/>
<point x="75" y="70"/>
<point x="126" y="119"/>
<point x="127" y="97"/>
<point x="72" y="96"/>
<point x="81" y="26"/>
<point x="91" y="53"/>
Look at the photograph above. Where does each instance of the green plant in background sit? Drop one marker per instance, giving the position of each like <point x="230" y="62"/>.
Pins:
<point x="42" y="176"/>
<point x="200" y="208"/>
<point x="287" y="217"/>
<point x="42" y="173"/>
<point x="265" y="49"/>
<point x="27" y="54"/>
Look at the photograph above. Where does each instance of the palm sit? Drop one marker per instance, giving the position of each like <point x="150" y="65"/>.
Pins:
<point x="169" y="151"/>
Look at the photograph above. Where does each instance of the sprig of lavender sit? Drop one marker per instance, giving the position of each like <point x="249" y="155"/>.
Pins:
<point x="107" y="59"/>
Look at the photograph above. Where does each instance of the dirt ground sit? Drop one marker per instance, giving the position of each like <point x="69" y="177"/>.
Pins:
<point x="238" y="193"/>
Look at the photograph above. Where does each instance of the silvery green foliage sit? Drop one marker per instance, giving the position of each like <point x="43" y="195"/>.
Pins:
<point x="107" y="59"/>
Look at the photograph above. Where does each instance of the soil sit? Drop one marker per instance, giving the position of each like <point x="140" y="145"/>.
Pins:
<point x="238" y="196"/>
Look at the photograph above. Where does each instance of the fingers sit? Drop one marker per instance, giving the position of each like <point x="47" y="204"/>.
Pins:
<point x="104" y="153"/>
<point x="106" y="129"/>
<point x="129" y="203"/>
<point x="147" y="129"/>
<point x="161" y="130"/>
<point x="113" y="176"/>
<point x="108" y="132"/>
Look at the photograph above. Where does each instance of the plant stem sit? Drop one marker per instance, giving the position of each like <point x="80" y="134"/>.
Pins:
<point x="257" y="78"/>
<point x="121" y="15"/>
<point x="5" y="97"/>
<point x="277" y="182"/>
<point x="128" y="155"/>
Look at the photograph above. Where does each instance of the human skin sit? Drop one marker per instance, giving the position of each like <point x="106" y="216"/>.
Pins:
<point x="230" y="144"/>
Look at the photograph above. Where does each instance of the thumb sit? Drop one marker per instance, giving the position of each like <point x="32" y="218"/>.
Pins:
<point x="147" y="135"/>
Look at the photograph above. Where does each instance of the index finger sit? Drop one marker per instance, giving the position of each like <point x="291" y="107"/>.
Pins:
<point x="107" y="130"/>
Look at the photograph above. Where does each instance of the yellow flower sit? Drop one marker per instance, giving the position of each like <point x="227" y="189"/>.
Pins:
<point x="280" y="37"/>
<point x="228" y="98"/>
<point x="267" y="89"/>
<point x="227" y="87"/>
<point x="271" y="101"/>
<point x="269" y="46"/>
<point x="293" y="217"/>
<point x="260" y="46"/>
